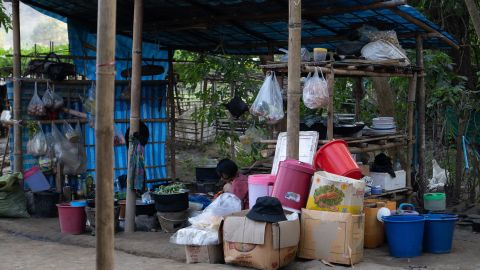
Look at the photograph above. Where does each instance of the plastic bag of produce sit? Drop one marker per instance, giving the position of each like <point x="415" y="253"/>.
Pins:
<point x="71" y="134"/>
<point x="57" y="100"/>
<point x="13" y="202"/>
<point x="66" y="152"/>
<point x="315" y="91"/>
<point x="268" y="104"/>
<point x="36" y="106"/>
<point x="37" y="145"/>
<point x="47" y="98"/>
<point x="211" y="217"/>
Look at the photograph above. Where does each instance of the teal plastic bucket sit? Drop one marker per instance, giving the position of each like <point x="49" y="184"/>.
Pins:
<point x="404" y="235"/>
<point x="438" y="236"/>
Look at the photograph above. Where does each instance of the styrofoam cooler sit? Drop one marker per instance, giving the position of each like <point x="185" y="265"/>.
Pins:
<point x="292" y="184"/>
<point x="259" y="185"/>
<point x="387" y="182"/>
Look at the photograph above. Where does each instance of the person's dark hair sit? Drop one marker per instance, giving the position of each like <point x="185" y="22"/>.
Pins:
<point x="227" y="167"/>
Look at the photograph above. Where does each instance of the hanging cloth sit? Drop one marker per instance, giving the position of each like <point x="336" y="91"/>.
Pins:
<point x="136" y="168"/>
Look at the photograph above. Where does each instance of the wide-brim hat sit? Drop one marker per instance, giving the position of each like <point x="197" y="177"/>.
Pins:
<point x="267" y="209"/>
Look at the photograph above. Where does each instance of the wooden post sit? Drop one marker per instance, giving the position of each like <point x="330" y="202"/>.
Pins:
<point x="107" y="11"/>
<point x="412" y="87"/>
<point x="205" y="85"/>
<point x="358" y="93"/>
<point x="331" y="84"/>
<point x="17" y="89"/>
<point x="171" y="97"/>
<point x="293" y="92"/>
<point x="421" y="113"/>
<point x="232" y="125"/>
<point x="136" y="95"/>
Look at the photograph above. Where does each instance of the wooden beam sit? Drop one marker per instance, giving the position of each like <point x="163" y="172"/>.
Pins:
<point x="136" y="96"/>
<point x="412" y="87"/>
<point x="425" y="27"/>
<point x="294" y="91"/>
<point x="331" y="86"/>
<point x="17" y="89"/>
<point x="106" y="36"/>
<point x="421" y="114"/>
<point x="171" y="99"/>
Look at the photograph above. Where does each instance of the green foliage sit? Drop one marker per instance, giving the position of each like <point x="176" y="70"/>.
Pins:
<point x="5" y="21"/>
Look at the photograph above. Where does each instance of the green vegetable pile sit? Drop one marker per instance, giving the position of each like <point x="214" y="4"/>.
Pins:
<point x="171" y="189"/>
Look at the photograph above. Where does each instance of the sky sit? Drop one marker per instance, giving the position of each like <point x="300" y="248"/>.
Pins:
<point x="30" y="22"/>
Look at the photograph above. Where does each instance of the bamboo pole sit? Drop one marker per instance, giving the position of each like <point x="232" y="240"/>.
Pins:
<point x="17" y="89"/>
<point x="412" y="87"/>
<point x="330" y="83"/>
<point x="172" y="113"/>
<point x="205" y="86"/>
<point x="421" y="112"/>
<point x="293" y="92"/>
<point x="136" y="93"/>
<point x="104" y="133"/>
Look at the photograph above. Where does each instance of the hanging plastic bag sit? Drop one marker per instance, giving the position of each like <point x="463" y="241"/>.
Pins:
<point x="118" y="138"/>
<point x="315" y="91"/>
<point x="71" y="134"/>
<point x="47" y="98"/>
<point x="37" y="145"/>
<point x="66" y="152"/>
<point x="90" y="101"/>
<point x="57" y="100"/>
<point x="36" y="106"/>
<point x="82" y="154"/>
<point x="268" y="104"/>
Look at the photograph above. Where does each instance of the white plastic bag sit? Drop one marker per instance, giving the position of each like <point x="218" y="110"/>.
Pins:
<point x="225" y="204"/>
<point x="268" y="104"/>
<point x="57" y="100"/>
<point x="315" y="91"/>
<point x="36" y="106"/>
<point x="383" y="50"/>
<point x="72" y="155"/>
<point x="37" y="145"/>
<point x="195" y="236"/>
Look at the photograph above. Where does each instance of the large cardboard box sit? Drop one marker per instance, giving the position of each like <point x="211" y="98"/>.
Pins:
<point x="259" y="245"/>
<point x="204" y="254"/>
<point x="331" y="192"/>
<point x="330" y="236"/>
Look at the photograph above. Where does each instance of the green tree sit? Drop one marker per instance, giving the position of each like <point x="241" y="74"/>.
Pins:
<point x="5" y="21"/>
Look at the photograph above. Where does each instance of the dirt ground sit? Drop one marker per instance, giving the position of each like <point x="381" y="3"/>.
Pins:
<point x="37" y="244"/>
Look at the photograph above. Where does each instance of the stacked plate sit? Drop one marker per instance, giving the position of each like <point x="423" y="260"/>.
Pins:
<point x="383" y="126"/>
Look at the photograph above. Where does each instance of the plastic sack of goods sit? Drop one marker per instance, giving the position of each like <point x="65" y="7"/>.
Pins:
<point x="268" y="104"/>
<point x="205" y="227"/>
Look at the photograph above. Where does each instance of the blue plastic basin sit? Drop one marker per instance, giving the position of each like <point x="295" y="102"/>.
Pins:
<point x="404" y="235"/>
<point x="438" y="236"/>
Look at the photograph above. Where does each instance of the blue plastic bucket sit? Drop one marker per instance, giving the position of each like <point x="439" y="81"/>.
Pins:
<point x="438" y="236"/>
<point x="404" y="235"/>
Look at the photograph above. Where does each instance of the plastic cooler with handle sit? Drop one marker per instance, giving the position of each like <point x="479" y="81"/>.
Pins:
<point x="259" y="185"/>
<point x="292" y="184"/>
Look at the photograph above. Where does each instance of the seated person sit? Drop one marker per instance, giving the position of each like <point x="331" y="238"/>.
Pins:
<point x="235" y="182"/>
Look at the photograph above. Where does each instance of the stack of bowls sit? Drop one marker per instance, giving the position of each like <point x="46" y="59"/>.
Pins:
<point x="383" y="126"/>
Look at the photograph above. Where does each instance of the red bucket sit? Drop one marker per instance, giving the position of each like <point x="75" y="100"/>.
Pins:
<point x="335" y="158"/>
<point x="72" y="218"/>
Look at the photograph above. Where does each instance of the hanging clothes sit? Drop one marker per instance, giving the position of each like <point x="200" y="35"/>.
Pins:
<point x="136" y="168"/>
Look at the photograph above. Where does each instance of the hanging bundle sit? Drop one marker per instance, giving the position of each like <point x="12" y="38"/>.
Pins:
<point x="315" y="91"/>
<point x="268" y="104"/>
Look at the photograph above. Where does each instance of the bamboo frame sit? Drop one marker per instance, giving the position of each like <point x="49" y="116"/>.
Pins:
<point x="17" y="88"/>
<point x="294" y="91"/>
<point x="135" y="100"/>
<point x="104" y="134"/>
<point x="171" y="99"/>
<point x="421" y="113"/>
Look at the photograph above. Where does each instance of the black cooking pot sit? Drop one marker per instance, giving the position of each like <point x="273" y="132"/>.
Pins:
<point x="171" y="202"/>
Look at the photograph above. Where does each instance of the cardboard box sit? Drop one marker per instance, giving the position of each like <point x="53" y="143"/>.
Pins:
<point x="335" y="193"/>
<point x="204" y="254"/>
<point x="389" y="183"/>
<point x="259" y="245"/>
<point x="334" y="237"/>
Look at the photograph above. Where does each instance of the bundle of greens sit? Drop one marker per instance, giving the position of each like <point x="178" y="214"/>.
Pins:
<point x="174" y="188"/>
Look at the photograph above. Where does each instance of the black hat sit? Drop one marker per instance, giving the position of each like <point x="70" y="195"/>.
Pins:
<point x="267" y="209"/>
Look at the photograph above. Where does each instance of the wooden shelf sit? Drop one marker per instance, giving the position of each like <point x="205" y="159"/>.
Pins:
<point x="390" y="192"/>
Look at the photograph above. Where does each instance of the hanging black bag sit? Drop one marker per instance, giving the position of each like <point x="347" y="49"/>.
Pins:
<point x="236" y="107"/>
<point x="57" y="70"/>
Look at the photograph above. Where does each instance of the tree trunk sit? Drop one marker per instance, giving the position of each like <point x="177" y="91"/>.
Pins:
<point x="385" y="98"/>
<point x="474" y="14"/>
<point x="459" y="161"/>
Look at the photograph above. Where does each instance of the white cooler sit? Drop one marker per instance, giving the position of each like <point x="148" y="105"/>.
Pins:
<point x="259" y="185"/>
<point x="387" y="182"/>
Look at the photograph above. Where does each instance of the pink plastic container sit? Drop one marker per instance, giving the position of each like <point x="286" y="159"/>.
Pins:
<point x="259" y="185"/>
<point x="335" y="158"/>
<point x="36" y="180"/>
<point x="72" y="218"/>
<point x="293" y="184"/>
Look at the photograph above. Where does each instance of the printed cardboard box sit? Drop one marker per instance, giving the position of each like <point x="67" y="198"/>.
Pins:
<point x="259" y="245"/>
<point x="335" y="193"/>
<point x="330" y="236"/>
<point x="204" y="254"/>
